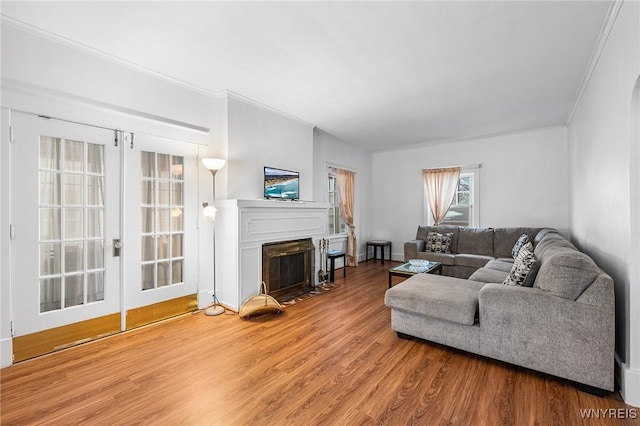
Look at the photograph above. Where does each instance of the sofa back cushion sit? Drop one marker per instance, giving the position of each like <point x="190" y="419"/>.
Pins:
<point x="423" y="232"/>
<point x="505" y="238"/>
<point x="565" y="272"/>
<point x="543" y="233"/>
<point x="475" y="241"/>
<point x="550" y="244"/>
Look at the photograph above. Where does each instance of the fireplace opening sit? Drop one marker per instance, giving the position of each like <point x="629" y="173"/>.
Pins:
<point x="288" y="268"/>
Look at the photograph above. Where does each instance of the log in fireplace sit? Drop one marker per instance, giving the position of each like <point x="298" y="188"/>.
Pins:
<point x="288" y="267"/>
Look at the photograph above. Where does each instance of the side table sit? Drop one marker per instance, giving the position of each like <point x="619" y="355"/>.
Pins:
<point x="331" y="257"/>
<point x="378" y="243"/>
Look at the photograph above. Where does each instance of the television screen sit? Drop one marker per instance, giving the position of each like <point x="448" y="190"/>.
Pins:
<point x="283" y="184"/>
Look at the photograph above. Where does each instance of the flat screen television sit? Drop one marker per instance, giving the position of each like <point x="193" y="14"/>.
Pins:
<point x="281" y="184"/>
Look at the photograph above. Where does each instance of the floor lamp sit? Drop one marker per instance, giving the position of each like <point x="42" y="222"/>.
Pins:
<point x="213" y="165"/>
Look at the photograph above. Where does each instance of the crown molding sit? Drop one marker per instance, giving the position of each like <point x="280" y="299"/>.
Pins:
<point x="331" y="135"/>
<point x="426" y="144"/>
<point x="81" y="47"/>
<point x="605" y="31"/>
<point x="245" y="99"/>
<point x="56" y="95"/>
<point x="67" y="42"/>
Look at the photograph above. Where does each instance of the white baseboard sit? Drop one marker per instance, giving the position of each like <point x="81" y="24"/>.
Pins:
<point x="6" y="352"/>
<point x="629" y="381"/>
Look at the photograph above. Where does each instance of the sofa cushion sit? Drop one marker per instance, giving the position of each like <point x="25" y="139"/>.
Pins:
<point x="423" y="231"/>
<point x="524" y="268"/>
<point x="521" y="241"/>
<point x="438" y="243"/>
<point x="543" y="233"/>
<point x="488" y="275"/>
<point x="550" y="244"/>
<point x="566" y="272"/>
<point x="471" y="260"/>
<point x="505" y="238"/>
<point x="500" y="265"/>
<point x="475" y="241"/>
<point x="436" y="296"/>
<point x="445" y="259"/>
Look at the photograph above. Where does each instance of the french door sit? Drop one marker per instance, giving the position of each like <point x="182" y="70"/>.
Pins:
<point x="102" y="226"/>
<point x="64" y="208"/>
<point x="160" y="225"/>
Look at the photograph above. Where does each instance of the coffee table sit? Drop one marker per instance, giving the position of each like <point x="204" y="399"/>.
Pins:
<point x="406" y="270"/>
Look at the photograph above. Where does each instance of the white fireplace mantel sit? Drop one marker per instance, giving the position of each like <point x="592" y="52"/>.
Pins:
<point x="242" y="226"/>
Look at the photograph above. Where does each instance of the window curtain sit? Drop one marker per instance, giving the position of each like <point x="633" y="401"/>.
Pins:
<point x="345" y="182"/>
<point x="440" y="186"/>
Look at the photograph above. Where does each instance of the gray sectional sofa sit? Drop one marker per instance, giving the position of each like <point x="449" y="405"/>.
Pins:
<point x="563" y="325"/>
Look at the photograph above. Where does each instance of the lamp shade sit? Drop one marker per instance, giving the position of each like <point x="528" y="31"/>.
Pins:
<point x="213" y="164"/>
<point x="209" y="212"/>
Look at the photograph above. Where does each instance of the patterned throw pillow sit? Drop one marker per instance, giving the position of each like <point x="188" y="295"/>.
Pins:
<point x="524" y="268"/>
<point x="438" y="243"/>
<point x="524" y="239"/>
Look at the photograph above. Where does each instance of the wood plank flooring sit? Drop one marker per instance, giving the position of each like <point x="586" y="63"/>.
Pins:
<point x="331" y="359"/>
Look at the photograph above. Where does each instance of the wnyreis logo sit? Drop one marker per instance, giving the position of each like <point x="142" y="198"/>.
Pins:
<point x="609" y="413"/>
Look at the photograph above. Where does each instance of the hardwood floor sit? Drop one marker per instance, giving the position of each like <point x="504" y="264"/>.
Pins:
<point x="331" y="359"/>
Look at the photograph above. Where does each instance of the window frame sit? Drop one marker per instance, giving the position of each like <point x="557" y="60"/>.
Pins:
<point x="338" y="221"/>
<point x="474" y="198"/>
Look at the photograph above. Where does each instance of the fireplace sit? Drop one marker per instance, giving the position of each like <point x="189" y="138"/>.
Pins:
<point x="288" y="267"/>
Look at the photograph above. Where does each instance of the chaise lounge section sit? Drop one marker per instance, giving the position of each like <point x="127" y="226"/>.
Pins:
<point x="563" y="325"/>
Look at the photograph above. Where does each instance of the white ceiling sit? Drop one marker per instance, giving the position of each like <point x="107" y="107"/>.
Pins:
<point x="376" y="74"/>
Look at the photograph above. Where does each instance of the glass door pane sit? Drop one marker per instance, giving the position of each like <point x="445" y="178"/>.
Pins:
<point x="69" y="250"/>
<point x="161" y="231"/>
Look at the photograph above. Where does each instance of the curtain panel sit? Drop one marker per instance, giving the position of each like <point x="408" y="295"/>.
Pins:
<point x="440" y="186"/>
<point x="345" y="182"/>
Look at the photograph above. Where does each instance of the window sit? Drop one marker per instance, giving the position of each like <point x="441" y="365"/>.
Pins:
<point x="461" y="211"/>
<point x="162" y="219"/>
<point x="336" y="223"/>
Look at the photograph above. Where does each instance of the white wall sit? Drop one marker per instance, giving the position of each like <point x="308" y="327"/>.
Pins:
<point x="329" y="151"/>
<point x="258" y="137"/>
<point x="603" y="160"/>
<point x="523" y="182"/>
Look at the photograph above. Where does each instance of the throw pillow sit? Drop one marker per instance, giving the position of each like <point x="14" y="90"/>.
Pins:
<point x="524" y="268"/>
<point x="524" y="239"/>
<point x="438" y="243"/>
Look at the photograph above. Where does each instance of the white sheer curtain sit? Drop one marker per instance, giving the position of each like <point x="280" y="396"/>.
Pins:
<point x="440" y="186"/>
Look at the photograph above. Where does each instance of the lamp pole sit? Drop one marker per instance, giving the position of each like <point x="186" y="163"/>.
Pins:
<point x="213" y="165"/>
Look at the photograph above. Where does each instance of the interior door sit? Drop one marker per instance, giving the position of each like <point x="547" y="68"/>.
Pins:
<point x="65" y="203"/>
<point x="161" y="216"/>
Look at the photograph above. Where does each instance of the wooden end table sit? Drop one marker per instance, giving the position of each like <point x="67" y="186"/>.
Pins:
<point x="375" y="244"/>
<point x="331" y="257"/>
<point x="406" y="270"/>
